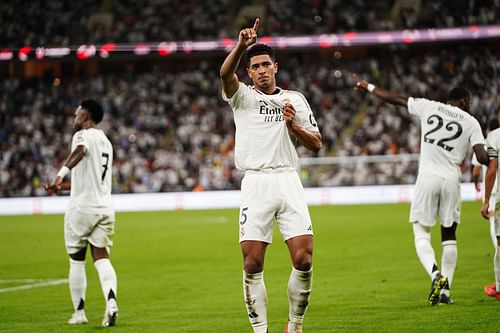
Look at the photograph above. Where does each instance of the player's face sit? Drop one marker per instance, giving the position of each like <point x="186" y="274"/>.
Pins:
<point x="80" y="117"/>
<point x="262" y="71"/>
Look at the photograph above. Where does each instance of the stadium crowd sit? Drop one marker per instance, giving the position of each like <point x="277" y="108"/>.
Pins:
<point x="69" y="23"/>
<point x="171" y="130"/>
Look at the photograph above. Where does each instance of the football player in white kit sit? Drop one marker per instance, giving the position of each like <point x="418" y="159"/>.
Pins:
<point x="268" y="121"/>
<point x="90" y="217"/>
<point x="491" y="179"/>
<point x="479" y="169"/>
<point x="447" y="132"/>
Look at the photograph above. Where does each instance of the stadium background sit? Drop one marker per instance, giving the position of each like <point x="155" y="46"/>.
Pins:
<point x="172" y="132"/>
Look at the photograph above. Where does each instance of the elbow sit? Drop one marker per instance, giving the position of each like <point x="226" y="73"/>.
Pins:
<point x="317" y="145"/>
<point x="483" y="159"/>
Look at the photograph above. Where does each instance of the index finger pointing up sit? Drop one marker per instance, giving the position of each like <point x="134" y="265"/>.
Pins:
<point x="256" y="24"/>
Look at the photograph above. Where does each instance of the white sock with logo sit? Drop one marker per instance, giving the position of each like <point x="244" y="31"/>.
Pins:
<point x="255" y="295"/>
<point x="449" y="263"/>
<point x="107" y="276"/>
<point x="425" y="252"/>
<point x="299" y="290"/>
<point x="77" y="283"/>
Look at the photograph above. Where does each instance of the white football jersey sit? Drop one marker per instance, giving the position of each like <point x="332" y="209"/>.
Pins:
<point x="262" y="138"/>
<point x="493" y="147"/>
<point x="447" y="133"/>
<point x="91" y="177"/>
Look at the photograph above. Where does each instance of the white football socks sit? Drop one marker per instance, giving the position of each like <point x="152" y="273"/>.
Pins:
<point x="299" y="289"/>
<point x="425" y="252"/>
<point x="107" y="276"/>
<point x="77" y="283"/>
<point x="449" y="259"/>
<point x="255" y="295"/>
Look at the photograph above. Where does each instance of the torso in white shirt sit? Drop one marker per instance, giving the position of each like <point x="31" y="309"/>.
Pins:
<point x="91" y="178"/>
<point x="447" y="133"/>
<point x="262" y="138"/>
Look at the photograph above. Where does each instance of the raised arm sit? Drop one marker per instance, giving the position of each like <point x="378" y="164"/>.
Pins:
<point x="73" y="159"/>
<point x="229" y="79"/>
<point x="386" y="95"/>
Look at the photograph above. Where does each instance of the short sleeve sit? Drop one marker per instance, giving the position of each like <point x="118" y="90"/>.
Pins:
<point x="416" y="105"/>
<point x="306" y="116"/>
<point x="236" y="99"/>
<point x="491" y="146"/>
<point x="477" y="135"/>
<point x="80" y="139"/>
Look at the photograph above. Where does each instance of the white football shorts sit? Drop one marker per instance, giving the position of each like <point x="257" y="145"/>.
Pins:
<point x="82" y="228"/>
<point x="266" y="196"/>
<point x="434" y="196"/>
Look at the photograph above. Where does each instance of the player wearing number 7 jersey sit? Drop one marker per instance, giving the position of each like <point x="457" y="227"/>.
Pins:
<point x="448" y="130"/>
<point x="90" y="217"/>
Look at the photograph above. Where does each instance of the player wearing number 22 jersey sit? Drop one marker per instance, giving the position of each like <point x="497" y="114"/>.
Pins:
<point x="448" y="131"/>
<point x="90" y="219"/>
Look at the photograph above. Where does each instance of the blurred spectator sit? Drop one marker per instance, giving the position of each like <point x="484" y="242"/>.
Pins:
<point x="69" y="23"/>
<point x="172" y="132"/>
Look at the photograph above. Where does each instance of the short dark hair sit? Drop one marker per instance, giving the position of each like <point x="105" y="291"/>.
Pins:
<point x="458" y="93"/>
<point x="493" y="124"/>
<point x="258" y="49"/>
<point x="94" y="109"/>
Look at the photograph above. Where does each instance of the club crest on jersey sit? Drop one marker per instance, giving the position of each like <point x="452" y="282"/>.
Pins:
<point x="270" y="113"/>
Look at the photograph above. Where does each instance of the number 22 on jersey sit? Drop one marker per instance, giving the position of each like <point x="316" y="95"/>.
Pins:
<point x="452" y="129"/>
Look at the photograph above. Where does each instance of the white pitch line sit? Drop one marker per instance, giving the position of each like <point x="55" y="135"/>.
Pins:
<point x="43" y="283"/>
<point x="6" y="281"/>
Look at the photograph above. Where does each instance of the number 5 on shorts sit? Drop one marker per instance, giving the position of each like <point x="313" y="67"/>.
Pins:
<point x="243" y="217"/>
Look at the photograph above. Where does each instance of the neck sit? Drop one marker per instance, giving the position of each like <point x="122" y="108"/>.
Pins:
<point x="87" y="125"/>
<point x="269" y="90"/>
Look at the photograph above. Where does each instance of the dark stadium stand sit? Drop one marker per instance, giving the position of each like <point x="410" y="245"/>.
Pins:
<point x="170" y="128"/>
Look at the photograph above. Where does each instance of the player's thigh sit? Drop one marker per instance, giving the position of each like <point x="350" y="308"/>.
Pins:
<point x="258" y="208"/>
<point x="425" y="201"/>
<point x="293" y="217"/>
<point x="77" y="228"/>
<point x="450" y="202"/>
<point x="103" y="232"/>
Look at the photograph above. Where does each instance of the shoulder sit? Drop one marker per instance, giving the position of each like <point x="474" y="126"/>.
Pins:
<point x="495" y="134"/>
<point x="296" y="97"/>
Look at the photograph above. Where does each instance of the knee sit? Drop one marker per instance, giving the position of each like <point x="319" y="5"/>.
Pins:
<point x="421" y="232"/>
<point x="253" y="264"/>
<point x="302" y="260"/>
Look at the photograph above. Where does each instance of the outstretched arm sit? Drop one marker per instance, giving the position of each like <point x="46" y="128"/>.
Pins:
<point x="386" y="95"/>
<point x="229" y="79"/>
<point x="73" y="159"/>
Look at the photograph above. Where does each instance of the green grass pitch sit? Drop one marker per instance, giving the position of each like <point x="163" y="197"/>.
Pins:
<point x="181" y="272"/>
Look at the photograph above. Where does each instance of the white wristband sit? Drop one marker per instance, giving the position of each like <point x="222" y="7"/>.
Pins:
<point x="63" y="172"/>
<point x="370" y="87"/>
